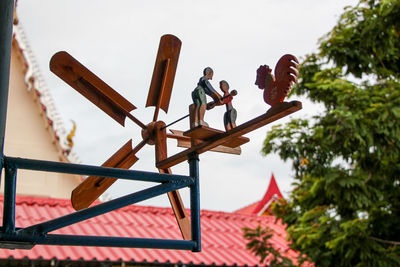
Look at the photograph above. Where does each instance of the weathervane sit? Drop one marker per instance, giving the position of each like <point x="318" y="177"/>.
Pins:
<point x="277" y="87"/>
<point x="198" y="139"/>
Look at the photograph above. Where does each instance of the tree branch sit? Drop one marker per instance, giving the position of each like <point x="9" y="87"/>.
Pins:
<point x="395" y="243"/>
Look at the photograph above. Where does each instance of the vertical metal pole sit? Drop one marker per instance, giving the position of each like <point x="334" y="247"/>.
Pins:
<point x="195" y="201"/>
<point x="10" y="186"/>
<point x="6" y="24"/>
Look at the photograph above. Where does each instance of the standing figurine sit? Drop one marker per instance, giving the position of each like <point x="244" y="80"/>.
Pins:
<point x="198" y="109"/>
<point x="231" y="113"/>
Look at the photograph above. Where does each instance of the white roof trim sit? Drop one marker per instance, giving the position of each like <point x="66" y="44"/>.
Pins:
<point x="266" y="206"/>
<point x="46" y="99"/>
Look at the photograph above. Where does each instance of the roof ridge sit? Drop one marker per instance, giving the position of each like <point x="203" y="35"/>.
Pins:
<point x="35" y="82"/>
<point x="43" y="201"/>
<point x="245" y="207"/>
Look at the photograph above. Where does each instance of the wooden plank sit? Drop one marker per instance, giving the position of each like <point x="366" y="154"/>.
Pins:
<point x="184" y="141"/>
<point x="202" y="132"/>
<point x="206" y="133"/>
<point x="274" y="113"/>
<point x="236" y="142"/>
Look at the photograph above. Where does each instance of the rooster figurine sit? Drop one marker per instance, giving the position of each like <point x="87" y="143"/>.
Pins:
<point x="277" y="87"/>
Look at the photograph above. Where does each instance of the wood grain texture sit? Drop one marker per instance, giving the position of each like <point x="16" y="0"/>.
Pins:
<point x="205" y="133"/>
<point x="164" y="72"/>
<point x="90" y="86"/>
<point x="184" y="141"/>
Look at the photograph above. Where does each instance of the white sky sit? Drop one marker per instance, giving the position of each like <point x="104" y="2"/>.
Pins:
<point x="118" y="41"/>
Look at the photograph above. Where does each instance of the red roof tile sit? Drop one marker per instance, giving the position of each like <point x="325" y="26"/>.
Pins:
<point x="222" y="241"/>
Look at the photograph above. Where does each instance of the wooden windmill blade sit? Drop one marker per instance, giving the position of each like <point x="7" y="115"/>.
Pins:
<point x="92" y="187"/>
<point x="178" y="208"/>
<point x="117" y="107"/>
<point x="159" y="96"/>
<point x="174" y="197"/>
<point x="92" y="87"/>
<point x="164" y="73"/>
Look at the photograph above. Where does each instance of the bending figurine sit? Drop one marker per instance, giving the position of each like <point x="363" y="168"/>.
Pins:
<point x="231" y="113"/>
<point x="198" y="109"/>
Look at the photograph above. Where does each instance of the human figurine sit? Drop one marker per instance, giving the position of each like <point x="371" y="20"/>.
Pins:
<point x="231" y="113"/>
<point x="198" y="109"/>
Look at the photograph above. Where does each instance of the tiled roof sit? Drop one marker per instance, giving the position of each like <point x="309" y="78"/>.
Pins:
<point x="222" y="241"/>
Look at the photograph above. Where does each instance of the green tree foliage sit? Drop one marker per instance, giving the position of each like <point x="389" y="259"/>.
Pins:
<point x="260" y="244"/>
<point x="345" y="207"/>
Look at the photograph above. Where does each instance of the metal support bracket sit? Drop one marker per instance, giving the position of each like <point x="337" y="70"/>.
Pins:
<point x="195" y="200"/>
<point x="25" y="238"/>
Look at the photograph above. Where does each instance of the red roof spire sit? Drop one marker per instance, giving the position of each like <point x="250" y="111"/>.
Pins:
<point x="273" y="193"/>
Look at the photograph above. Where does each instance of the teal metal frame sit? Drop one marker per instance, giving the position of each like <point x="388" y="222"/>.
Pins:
<point x="26" y="238"/>
<point x="12" y="237"/>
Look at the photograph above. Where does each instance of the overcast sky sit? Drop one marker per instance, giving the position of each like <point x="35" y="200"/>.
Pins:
<point x="118" y="41"/>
